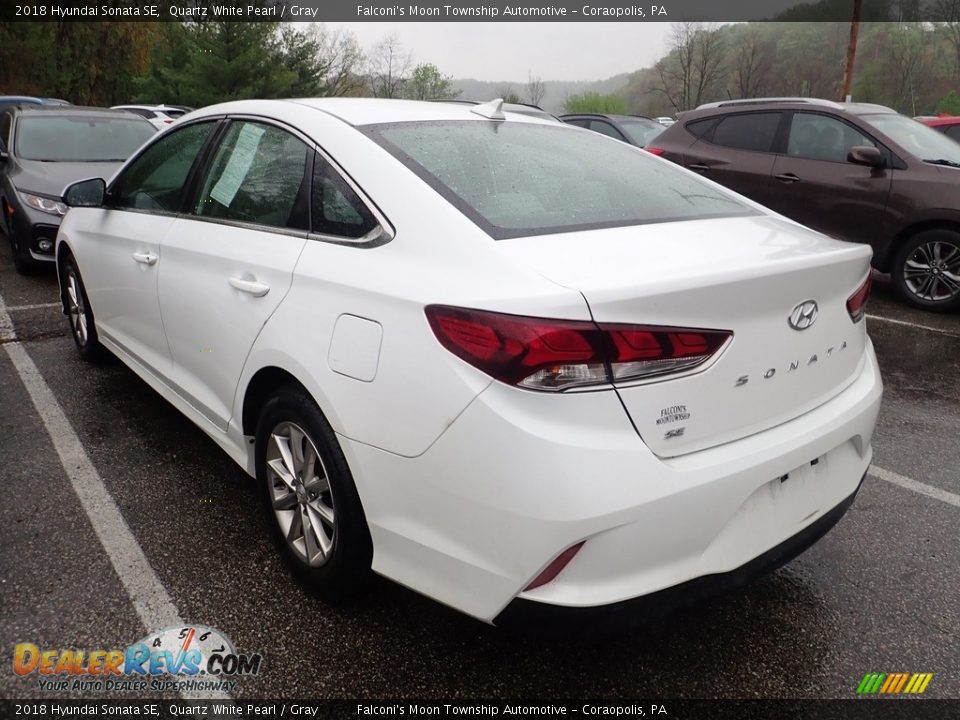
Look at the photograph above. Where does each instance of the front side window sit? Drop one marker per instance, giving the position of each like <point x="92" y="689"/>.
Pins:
<point x="156" y="179"/>
<point x="259" y="174"/>
<point x="78" y="138"/>
<point x="337" y="210"/>
<point x="751" y="131"/>
<point x="820" y="137"/>
<point x="518" y="179"/>
<point x="924" y="142"/>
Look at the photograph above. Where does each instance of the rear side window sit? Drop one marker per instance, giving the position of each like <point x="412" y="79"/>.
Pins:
<point x="752" y="131"/>
<point x="701" y="128"/>
<point x="337" y="210"/>
<point x="155" y="180"/>
<point x="259" y="174"/>
<point x="517" y="179"/>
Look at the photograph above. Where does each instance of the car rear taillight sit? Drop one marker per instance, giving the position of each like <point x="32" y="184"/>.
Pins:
<point x="655" y="151"/>
<point x="857" y="303"/>
<point x="556" y="355"/>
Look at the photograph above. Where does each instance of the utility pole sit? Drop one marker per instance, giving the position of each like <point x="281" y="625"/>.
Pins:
<point x="851" y="52"/>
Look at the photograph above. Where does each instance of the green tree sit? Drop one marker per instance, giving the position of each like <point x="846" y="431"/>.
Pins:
<point x="426" y="82"/>
<point x="92" y="63"/>
<point x="593" y="102"/>
<point x="234" y="61"/>
<point x="949" y="103"/>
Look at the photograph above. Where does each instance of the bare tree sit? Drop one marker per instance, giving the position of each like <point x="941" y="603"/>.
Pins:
<point x="536" y="89"/>
<point x="342" y="60"/>
<point x="947" y="14"/>
<point x="753" y="59"/>
<point x="388" y="67"/>
<point x="910" y="56"/>
<point x="694" y="65"/>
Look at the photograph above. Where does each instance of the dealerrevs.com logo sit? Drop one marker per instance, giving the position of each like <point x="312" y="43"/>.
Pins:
<point x="178" y="659"/>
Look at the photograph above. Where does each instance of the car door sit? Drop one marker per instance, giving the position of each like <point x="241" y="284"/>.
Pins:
<point x="819" y="188"/>
<point x="119" y="248"/>
<point x="737" y="151"/>
<point x="228" y="262"/>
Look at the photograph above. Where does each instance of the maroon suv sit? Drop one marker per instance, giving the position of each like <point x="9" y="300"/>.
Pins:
<point x="855" y="171"/>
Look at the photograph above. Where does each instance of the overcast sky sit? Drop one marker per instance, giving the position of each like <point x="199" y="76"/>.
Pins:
<point x="507" y="50"/>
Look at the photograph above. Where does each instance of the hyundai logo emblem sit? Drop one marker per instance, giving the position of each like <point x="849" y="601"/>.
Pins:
<point x="803" y="315"/>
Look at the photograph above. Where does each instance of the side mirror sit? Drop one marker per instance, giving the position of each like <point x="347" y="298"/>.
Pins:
<point x="85" y="193"/>
<point x="866" y="155"/>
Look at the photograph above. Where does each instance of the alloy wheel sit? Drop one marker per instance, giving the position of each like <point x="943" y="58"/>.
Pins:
<point x="300" y="494"/>
<point x="932" y="271"/>
<point x="76" y="308"/>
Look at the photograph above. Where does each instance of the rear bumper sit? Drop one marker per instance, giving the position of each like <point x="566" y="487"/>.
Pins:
<point x="536" y="617"/>
<point x="520" y="477"/>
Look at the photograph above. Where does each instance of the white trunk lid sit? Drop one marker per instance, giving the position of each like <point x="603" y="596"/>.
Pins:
<point x="745" y="275"/>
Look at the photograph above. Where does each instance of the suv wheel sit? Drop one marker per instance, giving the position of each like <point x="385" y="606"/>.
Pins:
<point x="926" y="270"/>
<point x="309" y="496"/>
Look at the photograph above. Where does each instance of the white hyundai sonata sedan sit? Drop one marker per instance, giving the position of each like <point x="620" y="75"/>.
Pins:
<point x="522" y="368"/>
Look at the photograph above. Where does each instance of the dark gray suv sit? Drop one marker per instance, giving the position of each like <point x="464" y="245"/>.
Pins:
<point x="855" y="171"/>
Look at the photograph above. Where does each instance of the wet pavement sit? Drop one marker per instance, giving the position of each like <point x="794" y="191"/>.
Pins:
<point x="879" y="593"/>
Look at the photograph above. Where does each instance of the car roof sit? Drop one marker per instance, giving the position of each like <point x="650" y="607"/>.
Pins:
<point x="610" y="116"/>
<point x="370" y="111"/>
<point x="73" y="111"/>
<point x="793" y="103"/>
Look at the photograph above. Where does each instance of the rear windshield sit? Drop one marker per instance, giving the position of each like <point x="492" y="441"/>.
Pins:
<point x="515" y="179"/>
<point x="80" y="139"/>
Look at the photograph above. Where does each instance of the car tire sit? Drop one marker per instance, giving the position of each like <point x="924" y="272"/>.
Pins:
<point x="83" y="328"/>
<point x="23" y="263"/>
<point x="309" y="497"/>
<point x="926" y="270"/>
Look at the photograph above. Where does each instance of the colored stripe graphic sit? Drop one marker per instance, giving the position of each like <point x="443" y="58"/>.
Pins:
<point x="894" y="683"/>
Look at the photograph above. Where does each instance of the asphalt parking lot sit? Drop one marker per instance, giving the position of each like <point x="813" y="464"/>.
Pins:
<point x="878" y="594"/>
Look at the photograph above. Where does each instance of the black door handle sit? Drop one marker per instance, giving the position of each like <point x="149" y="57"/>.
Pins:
<point x="787" y="178"/>
<point x="699" y="167"/>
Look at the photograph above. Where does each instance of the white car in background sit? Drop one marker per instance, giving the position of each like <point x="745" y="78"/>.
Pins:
<point x="157" y="115"/>
<point x="528" y="371"/>
<point x="665" y="120"/>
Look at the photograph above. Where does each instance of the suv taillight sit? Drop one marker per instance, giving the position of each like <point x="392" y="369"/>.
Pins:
<point x="857" y="303"/>
<point x="555" y="355"/>
<point x="655" y="151"/>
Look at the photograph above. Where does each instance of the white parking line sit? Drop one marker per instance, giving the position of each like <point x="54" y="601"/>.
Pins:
<point x="38" y="306"/>
<point x="915" y="485"/>
<point x="928" y="328"/>
<point x="150" y="599"/>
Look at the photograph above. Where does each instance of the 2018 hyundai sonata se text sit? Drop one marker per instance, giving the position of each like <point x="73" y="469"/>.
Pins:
<point x="522" y="368"/>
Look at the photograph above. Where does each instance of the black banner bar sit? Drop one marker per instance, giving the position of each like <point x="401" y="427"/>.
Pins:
<point x="854" y="709"/>
<point x="470" y="10"/>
